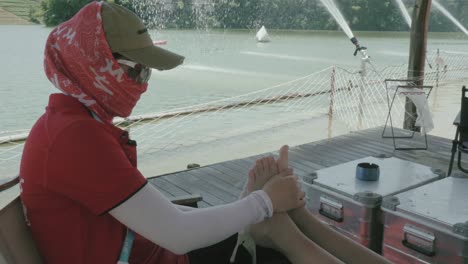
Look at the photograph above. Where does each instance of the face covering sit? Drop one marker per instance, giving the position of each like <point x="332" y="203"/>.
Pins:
<point x="79" y="62"/>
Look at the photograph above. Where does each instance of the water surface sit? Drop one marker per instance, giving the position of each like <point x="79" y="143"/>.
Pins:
<point x="219" y="65"/>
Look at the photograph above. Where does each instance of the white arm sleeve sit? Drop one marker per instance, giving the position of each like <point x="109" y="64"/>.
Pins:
<point x="150" y="214"/>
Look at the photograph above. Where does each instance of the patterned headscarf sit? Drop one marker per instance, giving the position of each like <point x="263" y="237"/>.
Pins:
<point x="79" y="62"/>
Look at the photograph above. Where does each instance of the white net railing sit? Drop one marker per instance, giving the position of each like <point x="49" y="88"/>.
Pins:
<point x="362" y="102"/>
<point x="226" y="118"/>
<point x="348" y="96"/>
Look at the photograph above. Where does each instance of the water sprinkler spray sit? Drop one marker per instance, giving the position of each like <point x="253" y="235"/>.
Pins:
<point x="359" y="48"/>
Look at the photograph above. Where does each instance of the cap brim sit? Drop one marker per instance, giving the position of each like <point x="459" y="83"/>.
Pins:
<point x="155" y="57"/>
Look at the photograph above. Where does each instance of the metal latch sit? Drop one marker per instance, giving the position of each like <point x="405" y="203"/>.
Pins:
<point x="331" y="209"/>
<point x="419" y="240"/>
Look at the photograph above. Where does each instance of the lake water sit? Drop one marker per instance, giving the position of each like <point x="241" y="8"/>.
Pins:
<point x="219" y="64"/>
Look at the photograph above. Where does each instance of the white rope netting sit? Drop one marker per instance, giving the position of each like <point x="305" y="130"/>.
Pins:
<point x="357" y="100"/>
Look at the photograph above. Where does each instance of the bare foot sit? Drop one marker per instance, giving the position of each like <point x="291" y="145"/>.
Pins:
<point x="263" y="170"/>
<point x="259" y="174"/>
<point x="283" y="159"/>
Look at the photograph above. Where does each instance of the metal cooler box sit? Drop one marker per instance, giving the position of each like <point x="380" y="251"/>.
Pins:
<point x="351" y="205"/>
<point x="428" y="224"/>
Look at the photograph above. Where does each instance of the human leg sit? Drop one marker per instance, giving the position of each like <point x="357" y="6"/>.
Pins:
<point x="280" y="232"/>
<point x="335" y="243"/>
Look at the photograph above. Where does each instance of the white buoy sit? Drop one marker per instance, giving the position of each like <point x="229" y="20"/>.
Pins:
<point x="262" y="35"/>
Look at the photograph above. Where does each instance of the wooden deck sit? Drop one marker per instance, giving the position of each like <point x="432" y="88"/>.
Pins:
<point x="221" y="183"/>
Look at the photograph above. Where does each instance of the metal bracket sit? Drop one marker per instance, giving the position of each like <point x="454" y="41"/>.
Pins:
<point x="459" y="175"/>
<point x="310" y="178"/>
<point x="391" y="202"/>
<point x="441" y="173"/>
<point x="382" y="156"/>
<point x="368" y="198"/>
<point x="461" y="229"/>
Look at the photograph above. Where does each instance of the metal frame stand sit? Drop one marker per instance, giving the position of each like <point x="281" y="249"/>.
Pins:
<point x="457" y="145"/>
<point x="457" y="142"/>
<point x="390" y="103"/>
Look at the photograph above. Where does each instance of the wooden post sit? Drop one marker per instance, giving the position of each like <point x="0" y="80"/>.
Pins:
<point x="417" y="57"/>
<point x="438" y="69"/>
<point x="437" y="61"/>
<point x="362" y="86"/>
<point x="332" y="101"/>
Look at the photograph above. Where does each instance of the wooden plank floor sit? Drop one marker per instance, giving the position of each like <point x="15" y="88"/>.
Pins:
<point x="221" y="183"/>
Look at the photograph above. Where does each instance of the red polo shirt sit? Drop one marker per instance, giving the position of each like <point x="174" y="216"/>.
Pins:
<point x="74" y="170"/>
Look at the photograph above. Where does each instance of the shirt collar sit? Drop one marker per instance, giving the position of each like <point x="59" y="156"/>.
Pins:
<point x="65" y="103"/>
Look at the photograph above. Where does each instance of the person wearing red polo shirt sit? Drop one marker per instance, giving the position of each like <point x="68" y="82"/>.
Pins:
<point x="84" y="198"/>
<point x="80" y="186"/>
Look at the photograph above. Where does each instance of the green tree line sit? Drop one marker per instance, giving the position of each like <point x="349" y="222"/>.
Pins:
<point x="361" y="15"/>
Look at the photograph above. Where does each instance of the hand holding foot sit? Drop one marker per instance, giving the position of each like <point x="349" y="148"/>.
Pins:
<point x="265" y="168"/>
<point x="283" y="188"/>
<point x="259" y="174"/>
<point x="285" y="192"/>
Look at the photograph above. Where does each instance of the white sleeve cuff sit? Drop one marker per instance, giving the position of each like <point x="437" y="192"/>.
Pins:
<point x="264" y="202"/>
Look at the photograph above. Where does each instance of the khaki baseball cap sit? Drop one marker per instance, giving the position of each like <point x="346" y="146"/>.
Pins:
<point x="127" y="35"/>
